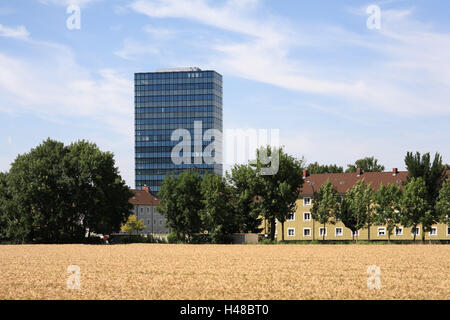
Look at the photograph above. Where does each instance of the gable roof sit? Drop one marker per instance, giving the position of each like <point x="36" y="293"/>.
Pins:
<point x="144" y="198"/>
<point x="345" y="181"/>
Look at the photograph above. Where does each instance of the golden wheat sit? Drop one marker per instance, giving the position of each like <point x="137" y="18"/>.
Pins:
<point x="159" y="271"/>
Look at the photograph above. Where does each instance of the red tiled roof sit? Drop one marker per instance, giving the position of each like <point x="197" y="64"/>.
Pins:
<point x="144" y="198"/>
<point x="345" y="181"/>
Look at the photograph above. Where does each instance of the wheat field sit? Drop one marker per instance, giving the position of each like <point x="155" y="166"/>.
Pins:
<point x="162" y="271"/>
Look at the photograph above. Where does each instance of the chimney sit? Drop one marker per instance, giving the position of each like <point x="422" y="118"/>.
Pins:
<point x="394" y="171"/>
<point x="145" y="188"/>
<point x="359" y="171"/>
<point x="305" y="174"/>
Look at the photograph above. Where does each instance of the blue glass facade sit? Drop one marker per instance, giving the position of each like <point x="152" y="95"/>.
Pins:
<point x="170" y="100"/>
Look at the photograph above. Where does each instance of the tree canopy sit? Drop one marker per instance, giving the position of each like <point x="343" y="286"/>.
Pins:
<point x="388" y="206"/>
<point x="326" y="206"/>
<point x="181" y="204"/>
<point x="57" y="193"/>
<point x="367" y="164"/>
<point x="280" y="191"/>
<point x="414" y="206"/>
<point x="433" y="175"/>
<point x="316" y="168"/>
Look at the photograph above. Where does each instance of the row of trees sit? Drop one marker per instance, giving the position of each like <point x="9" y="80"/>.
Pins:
<point x="220" y="206"/>
<point x="57" y="194"/>
<point x="367" y="164"/>
<point x="424" y="200"/>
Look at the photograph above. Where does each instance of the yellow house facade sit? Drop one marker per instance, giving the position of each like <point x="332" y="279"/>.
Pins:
<point x="301" y="225"/>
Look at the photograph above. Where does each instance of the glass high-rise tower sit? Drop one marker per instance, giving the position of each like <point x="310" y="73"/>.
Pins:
<point x="171" y="99"/>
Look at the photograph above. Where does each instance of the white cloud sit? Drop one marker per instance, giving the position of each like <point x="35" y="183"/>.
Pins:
<point x="19" y="32"/>
<point x="160" y="33"/>
<point x="408" y="56"/>
<point x="132" y="48"/>
<point x="59" y="87"/>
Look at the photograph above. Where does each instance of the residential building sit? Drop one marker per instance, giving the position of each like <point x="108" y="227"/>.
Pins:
<point x="301" y="225"/>
<point x="171" y="99"/>
<point x="146" y="208"/>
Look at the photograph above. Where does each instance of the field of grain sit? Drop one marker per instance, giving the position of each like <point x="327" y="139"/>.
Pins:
<point x="159" y="271"/>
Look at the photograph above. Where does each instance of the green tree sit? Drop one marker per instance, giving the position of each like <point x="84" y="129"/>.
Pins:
<point x="245" y="184"/>
<point x="325" y="208"/>
<point x="46" y="195"/>
<point x="347" y="217"/>
<point x="443" y="203"/>
<point x="280" y="191"/>
<point x="40" y="208"/>
<point x="218" y="216"/>
<point x="133" y="225"/>
<point x="316" y="168"/>
<point x="414" y="205"/>
<point x="5" y="199"/>
<point x="360" y="203"/>
<point x="433" y="174"/>
<point x="367" y="164"/>
<point x="387" y="200"/>
<point x="95" y="180"/>
<point x="181" y="204"/>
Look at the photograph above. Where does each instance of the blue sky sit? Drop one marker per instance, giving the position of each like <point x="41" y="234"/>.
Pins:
<point x="337" y="90"/>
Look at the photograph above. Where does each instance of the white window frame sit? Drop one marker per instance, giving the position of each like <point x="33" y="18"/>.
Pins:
<point x="321" y="228"/>
<point x="338" y="235"/>
<point x="354" y="234"/>
<point x="378" y="231"/>
<point x="291" y="235"/>
<point x="448" y="233"/>
<point x="304" y="202"/>
<point x="309" y="236"/>
<point x="433" y="235"/>
<point x="418" y="233"/>
<point x="401" y="231"/>
<point x="304" y="216"/>
<point x="293" y="217"/>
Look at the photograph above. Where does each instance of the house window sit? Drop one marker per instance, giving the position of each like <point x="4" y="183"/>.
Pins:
<point x="148" y="209"/>
<point x="322" y="232"/>
<point x="417" y="231"/>
<point x="433" y="231"/>
<point x="307" y="232"/>
<point x="398" y="231"/>
<point x="291" y="216"/>
<point x="291" y="232"/>
<point x="142" y="209"/>
<point x="356" y="233"/>
<point x="338" y="232"/>
<point x="307" y="216"/>
<point x="160" y="222"/>
<point x="381" y="231"/>
<point x="307" y="201"/>
<point x="448" y="231"/>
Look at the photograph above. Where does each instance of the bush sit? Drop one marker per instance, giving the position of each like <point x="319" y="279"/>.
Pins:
<point x="94" y="240"/>
<point x="172" y="237"/>
<point x="136" y="239"/>
<point x="201" y="238"/>
<point x="266" y="241"/>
